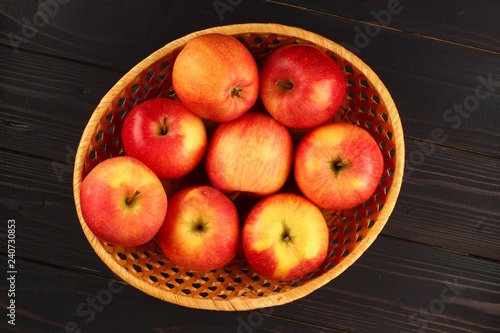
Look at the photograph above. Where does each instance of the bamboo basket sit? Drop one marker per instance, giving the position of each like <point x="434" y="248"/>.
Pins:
<point x="237" y="287"/>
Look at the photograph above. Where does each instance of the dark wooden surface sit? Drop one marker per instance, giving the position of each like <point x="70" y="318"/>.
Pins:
<point x="436" y="266"/>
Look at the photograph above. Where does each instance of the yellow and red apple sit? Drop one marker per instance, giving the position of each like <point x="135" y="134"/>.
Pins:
<point x="216" y="77"/>
<point x="201" y="230"/>
<point x="123" y="202"/>
<point x="165" y="136"/>
<point x="301" y="86"/>
<point x="251" y="155"/>
<point x="338" y="165"/>
<point x="284" y="237"/>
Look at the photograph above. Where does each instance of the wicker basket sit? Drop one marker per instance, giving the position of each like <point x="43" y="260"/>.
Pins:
<point x="237" y="286"/>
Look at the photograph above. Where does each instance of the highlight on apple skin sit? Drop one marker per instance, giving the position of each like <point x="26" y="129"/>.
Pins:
<point x="216" y="77"/>
<point x="165" y="136"/>
<point x="123" y="202"/>
<point x="285" y="236"/>
<point x="301" y="86"/>
<point x="251" y="155"/>
<point x="338" y="165"/>
<point x="201" y="230"/>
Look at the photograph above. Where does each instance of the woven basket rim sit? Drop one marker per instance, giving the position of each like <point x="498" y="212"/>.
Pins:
<point x="241" y="304"/>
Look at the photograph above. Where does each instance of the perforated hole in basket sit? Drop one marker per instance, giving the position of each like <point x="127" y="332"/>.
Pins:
<point x="349" y="228"/>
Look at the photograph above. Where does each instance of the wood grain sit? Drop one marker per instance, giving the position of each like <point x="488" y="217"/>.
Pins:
<point x="433" y="208"/>
<point x="397" y="282"/>
<point x="438" y="87"/>
<point x="395" y="287"/>
<point x="73" y="302"/>
<point x="444" y="20"/>
<point x="441" y="241"/>
<point x="448" y="196"/>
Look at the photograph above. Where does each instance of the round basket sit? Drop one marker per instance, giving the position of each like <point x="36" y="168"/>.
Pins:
<point x="236" y="286"/>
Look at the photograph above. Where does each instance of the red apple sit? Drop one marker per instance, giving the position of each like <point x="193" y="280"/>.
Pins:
<point x="165" y="136"/>
<point x="284" y="237"/>
<point x="251" y="155"/>
<point x="301" y="86"/>
<point x="123" y="202"/>
<point x="216" y="77"/>
<point x="338" y="165"/>
<point x="201" y="231"/>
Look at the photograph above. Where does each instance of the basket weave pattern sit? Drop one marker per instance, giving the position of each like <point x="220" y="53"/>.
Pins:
<point x="237" y="286"/>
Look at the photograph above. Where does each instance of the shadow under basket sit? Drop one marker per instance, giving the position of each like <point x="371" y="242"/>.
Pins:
<point x="236" y="286"/>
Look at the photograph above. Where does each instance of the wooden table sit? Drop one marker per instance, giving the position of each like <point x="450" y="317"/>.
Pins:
<point x="435" y="267"/>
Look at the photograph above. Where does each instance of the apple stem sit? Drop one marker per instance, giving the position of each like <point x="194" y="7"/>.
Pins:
<point x="129" y="200"/>
<point x="340" y="164"/>
<point x="164" y="126"/>
<point x="287" y="85"/>
<point x="233" y="196"/>
<point x="286" y="237"/>
<point x="199" y="227"/>
<point x="236" y="92"/>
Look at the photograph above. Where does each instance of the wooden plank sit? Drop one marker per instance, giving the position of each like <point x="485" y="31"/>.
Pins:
<point x="39" y="198"/>
<point x="395" y="287"/>
<point x="49" y="299"/>
<point x="405" y="287"/>
<point x="447" y="194"/>
<point x="29" y="104"/>
<point x="138" y="28"/>
<point x="39" y="192"/>
<point x="447" y="113"/>
<point x="472" y="24"/>
<point x="46" y="102"/>
<point x="426" y="92"/>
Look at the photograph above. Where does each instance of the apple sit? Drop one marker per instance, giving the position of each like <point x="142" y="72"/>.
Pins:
<point x="301" y="86"/>
<point x="250" y="155"/>
<point x="123" y="202"/>
<point x="201" y="230"/>
<point x="338" y="165"/>
<point x="216" y="77"/>
<point x="284" y="237"/>
<point x="165" y="136"/>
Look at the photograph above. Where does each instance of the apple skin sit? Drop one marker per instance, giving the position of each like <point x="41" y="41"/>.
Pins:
<point x="103" y="199"/>
<point x="201" y="230"/>
<point x="319" y="171"/>
<point x="251" y="155"/>
<point x="171" y="155"/>
<point x="301" y="86"/>
<point x="216" y="77"/>
<point x="264" y="237"/>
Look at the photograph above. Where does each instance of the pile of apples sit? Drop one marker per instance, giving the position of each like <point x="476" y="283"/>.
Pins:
<point x="251" y="154"/>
